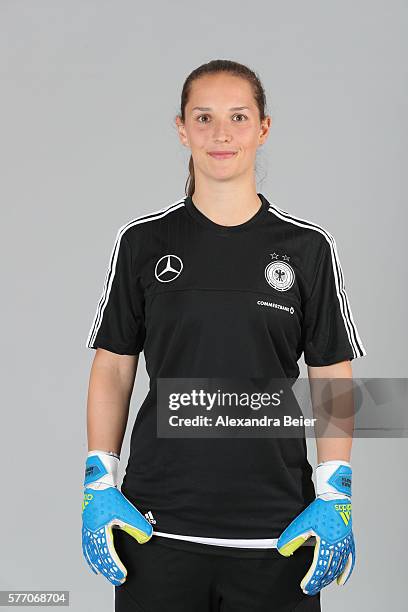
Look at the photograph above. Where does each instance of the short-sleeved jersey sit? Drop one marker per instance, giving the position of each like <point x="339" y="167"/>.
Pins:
<point x="206" y="300"/>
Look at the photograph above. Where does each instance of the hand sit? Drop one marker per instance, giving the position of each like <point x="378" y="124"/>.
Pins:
<point x="328" y="518"/>
<point x="104" y="508"/>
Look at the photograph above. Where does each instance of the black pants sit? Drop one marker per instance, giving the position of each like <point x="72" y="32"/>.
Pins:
<point x="175" y="576"/>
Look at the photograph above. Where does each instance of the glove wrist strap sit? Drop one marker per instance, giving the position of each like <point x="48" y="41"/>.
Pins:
<point x="101" y="470"/>
<point x="333" y="479"/>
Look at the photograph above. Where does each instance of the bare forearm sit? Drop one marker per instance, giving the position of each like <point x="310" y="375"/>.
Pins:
<point x="334" y="448"/>
<point x="109" y="393"/>
<point x="333" y="407"/>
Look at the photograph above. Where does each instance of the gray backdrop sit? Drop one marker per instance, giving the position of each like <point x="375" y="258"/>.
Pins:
<point x="89" y="90"/>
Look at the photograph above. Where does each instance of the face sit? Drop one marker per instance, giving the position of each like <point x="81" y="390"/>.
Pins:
<point x="222" y="126"/>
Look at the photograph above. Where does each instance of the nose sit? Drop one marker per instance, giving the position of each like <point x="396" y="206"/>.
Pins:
<point x="221" y="132"/>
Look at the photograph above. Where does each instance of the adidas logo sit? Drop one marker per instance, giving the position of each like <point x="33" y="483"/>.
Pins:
<point x="87" y="498"/>
<point x="344" y="511"/>
<point x="150" y="517"/>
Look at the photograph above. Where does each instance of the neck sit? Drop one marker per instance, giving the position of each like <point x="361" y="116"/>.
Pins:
<point x="226" y="203"/>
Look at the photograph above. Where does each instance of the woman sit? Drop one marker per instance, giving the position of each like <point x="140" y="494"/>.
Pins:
<point x="221" y="283"/>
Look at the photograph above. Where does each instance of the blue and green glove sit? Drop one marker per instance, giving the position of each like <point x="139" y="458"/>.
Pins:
<point x="328" y="518"/>
<point x="104" y="508"/>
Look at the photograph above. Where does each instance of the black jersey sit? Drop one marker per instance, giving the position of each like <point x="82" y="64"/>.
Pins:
<point x="206" y="300"/>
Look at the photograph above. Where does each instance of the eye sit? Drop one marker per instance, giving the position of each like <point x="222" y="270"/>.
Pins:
<point x="240" y="115"/>
<point x="199" y="117"/>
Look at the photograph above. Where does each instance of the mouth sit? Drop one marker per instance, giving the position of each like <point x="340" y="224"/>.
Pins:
<point x="222" y="154"/>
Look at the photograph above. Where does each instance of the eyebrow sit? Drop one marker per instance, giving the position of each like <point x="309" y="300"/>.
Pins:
<point x="207" y="108"/>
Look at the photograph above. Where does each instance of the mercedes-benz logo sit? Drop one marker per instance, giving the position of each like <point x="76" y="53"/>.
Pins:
<point x="168" y="268"/>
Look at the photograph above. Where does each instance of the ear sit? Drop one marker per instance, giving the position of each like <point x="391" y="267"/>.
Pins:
<point x="181" y="131"/>
<point x="265" y="127"/>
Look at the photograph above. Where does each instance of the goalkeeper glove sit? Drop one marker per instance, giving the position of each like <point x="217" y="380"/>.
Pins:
<point x="328" y="518"/>
<point x="104" y="508"/>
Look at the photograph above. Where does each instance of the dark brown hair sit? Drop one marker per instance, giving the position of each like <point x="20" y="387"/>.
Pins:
<point x="215" y="67"/>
